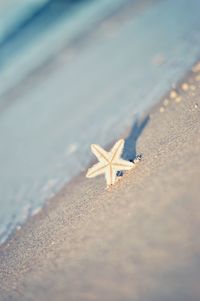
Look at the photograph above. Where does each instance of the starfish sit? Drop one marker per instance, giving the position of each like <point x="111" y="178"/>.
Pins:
<point x="109" y="162"/>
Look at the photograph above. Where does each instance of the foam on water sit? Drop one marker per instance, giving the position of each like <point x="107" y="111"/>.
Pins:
<point x="126" y="65"/>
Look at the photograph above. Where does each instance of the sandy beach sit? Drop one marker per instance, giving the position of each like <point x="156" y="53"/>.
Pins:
<point x="137" y="241"/>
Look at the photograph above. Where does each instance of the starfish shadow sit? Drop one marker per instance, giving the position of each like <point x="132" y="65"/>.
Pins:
<point x="129" y="152"/>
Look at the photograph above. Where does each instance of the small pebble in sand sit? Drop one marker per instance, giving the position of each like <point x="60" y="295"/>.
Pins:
<point x="196" y="68"/>
<point x="166" y="102"/>
<point x="173" y="94"/>
<point x="161" y="109"/>
<point x="196" y="105"/>
<point x="137" y="159"/>
<point x="185" y="87"/>
<point x="178" y="99"/>
<point x="192" y="87"/>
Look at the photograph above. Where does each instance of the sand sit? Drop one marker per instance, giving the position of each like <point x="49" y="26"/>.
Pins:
<point x="138" y="241"/>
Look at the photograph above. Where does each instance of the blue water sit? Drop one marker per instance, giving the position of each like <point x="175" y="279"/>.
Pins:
<point x="124" y="59"/>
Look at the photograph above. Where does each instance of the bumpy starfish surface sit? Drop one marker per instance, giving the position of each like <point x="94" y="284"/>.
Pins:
<point x="109" y="162"/>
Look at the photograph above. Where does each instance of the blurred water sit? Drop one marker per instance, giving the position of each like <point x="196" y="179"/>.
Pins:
<point x="44" y="32"/>
<point x="107" y="63"/>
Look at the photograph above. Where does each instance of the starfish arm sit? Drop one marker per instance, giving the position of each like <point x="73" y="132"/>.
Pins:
<point x="110" y="175"/>
<point x="96" y="170"/>
<point x="121" y="164"/>
<point x="100" y="153"/>
<point x="117" y="149"/>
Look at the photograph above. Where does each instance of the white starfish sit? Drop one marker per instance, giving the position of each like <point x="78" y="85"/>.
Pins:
<point x="109" y="162"/>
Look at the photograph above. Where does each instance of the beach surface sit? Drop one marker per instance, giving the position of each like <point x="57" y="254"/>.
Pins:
<point x="137" y="241"/>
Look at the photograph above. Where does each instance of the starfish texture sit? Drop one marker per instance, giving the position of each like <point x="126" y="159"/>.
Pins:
<point x="109" y="162"/>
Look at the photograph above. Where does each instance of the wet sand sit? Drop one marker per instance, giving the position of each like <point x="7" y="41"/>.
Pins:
<point x="137" y="241"/>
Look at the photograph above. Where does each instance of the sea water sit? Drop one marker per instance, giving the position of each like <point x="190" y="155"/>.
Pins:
<point x="83" y="81"/>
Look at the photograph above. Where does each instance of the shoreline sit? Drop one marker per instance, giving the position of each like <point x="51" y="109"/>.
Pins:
<point x="97" y="240"/>
<point x="136" y="118"/>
